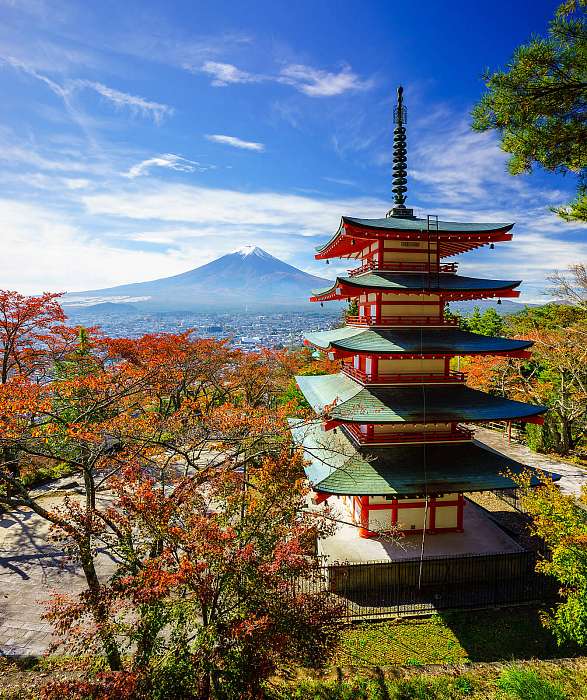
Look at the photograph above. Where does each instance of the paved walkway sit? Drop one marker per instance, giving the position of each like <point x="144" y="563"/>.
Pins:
<point x="481" y="536"/>
<point x="31" y="568"/>
<point x="572" y="477"/>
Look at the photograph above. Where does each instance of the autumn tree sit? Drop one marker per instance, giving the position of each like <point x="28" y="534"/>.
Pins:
<point x="571" y="288"/>
<point x="555" y="375"/>
<point x="561" y="522"/>
<point x="33" y="335"/>
<point x="538" y="104"/>
<point x="191" y="484"/>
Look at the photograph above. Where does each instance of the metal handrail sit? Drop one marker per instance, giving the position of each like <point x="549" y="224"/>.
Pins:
<point x="401" y="321"/>
<point x="407" y="378"/>
<point x="461" y="433"/>
<point x="369" y="265"/>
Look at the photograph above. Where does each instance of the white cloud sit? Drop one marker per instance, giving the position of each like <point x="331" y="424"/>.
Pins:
<point x="310" y="81"/>
<point x="225" y="73"/>
<point x="236" y="142"/>
<point x="48" y="252"/>
<point x="204" y="206"/>
<point x="320" y="83"/>
<point x="170" y="161"/>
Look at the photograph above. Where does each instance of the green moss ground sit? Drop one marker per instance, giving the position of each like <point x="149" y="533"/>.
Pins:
<point x="456" y="638"/>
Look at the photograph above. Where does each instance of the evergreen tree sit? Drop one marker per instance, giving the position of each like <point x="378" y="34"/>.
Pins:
<point x="539" y="103"/>
<point x="487" y="323"/>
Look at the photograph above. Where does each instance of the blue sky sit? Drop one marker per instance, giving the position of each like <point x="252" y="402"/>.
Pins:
<point x="142" y="139"/>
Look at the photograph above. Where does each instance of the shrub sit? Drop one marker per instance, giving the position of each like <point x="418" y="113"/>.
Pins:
<point x="525" y="684"/>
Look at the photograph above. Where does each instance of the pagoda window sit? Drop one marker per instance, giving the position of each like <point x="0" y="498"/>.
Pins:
<point x="419" y="366"/>
<point x="356" y="362"/>
<point x="369" y="367"/>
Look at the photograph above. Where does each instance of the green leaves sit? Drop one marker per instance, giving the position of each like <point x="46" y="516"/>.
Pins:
<point x="539" y="104"/>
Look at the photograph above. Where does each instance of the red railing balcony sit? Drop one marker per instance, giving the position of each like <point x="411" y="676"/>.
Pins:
<point x="432" y="267"/>
<point x="401" y="321"/>
<point x="407" y="378"/>
<point x="461" y="434"/>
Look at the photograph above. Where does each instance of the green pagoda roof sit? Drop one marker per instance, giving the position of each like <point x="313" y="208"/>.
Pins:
<point x="423" y="341"/>
<point x="414" y="224"/>
<point x="408" y="404"/>
<point x="335" y="466"/>
<point x="395" y="223"/>
<point x="397" y="282"/>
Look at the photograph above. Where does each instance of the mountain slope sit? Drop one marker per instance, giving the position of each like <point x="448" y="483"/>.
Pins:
<point x="248" y="277"/>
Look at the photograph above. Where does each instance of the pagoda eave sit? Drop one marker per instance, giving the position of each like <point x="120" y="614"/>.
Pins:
<point x="413" y="342"/>
<point x="340" y="398"/>
<point x="351" y="238"/>
<point x="337" y="467"/>
<point x="346" y="291"/>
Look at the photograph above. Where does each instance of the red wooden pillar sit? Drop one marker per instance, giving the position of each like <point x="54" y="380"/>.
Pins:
<point x="431" y="515"/>
<point x="394" y="510"/>
<point x="374" y="369"/>
<point x="364" y="529"/>
<point x="378" y="298"/>
<point x="320" y="498"/>
<point x="460" y="512"/>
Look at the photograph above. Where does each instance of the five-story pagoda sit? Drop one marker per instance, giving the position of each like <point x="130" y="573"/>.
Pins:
<point x="392" y="444"/>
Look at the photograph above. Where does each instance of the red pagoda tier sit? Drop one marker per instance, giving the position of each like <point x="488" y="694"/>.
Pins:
<point x="396" y="441"/>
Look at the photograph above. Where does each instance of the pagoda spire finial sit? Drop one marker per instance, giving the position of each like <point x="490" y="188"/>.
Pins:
<point x="400" y="160"/>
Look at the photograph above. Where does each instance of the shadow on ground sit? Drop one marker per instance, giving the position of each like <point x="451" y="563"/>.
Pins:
<point x="503" y="635"/>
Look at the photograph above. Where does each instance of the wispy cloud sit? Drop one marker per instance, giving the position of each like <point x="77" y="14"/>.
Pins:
<point x="171" y="161"/>
<point x="320" y="83"/>
<point x="306" y="79"/>
<point x="225" y="73"/>
<point x="235" y="142"/>
<point x="135" y="103"/>
<point x="340" y="181"/>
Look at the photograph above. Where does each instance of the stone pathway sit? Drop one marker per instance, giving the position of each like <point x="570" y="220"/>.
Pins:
<point x="31" y="568"/>
<point x="572" y="477"/>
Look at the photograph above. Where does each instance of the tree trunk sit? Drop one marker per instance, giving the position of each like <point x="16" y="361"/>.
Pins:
<point x="99" y="609"/>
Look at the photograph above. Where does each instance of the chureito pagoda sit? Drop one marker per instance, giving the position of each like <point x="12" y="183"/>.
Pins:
<point x="391" y="451"/>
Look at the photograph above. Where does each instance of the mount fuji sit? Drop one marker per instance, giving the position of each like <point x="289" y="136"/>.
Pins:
<point x="249" y="277"/>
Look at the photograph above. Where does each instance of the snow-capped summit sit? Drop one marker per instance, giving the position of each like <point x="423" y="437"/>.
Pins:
<point x="248" y="277"/>
<point x="247" y="250"/>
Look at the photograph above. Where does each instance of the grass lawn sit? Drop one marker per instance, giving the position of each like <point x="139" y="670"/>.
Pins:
<point x="451" y="638"/>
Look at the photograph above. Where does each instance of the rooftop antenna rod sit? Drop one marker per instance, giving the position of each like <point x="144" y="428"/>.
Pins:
<point x="400" y="160"/>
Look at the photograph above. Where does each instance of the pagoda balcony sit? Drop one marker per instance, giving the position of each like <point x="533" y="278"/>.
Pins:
<point x="370" y="265"/>
<point x="459" y="434"/>
<point x="452" y="377"/>
<point x="401" y="321"/>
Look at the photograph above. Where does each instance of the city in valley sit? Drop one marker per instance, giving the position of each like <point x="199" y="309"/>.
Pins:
<point x="245" y="330"/>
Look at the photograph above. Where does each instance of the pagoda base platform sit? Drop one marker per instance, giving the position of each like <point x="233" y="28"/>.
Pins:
<point x="481" y="536"/>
